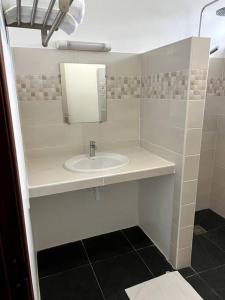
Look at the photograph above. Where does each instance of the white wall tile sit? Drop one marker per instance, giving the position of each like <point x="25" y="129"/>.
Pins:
<point x="191" y="166"/>
<point x="195" y="114"/>
<point x="189" y="192"/>
<point x="185" y="237"/>
<point x="200" y="53"/>
<point x="41" y="112"/>
<point x="184" y="258"/>
<point x="187" y="215"/>
<point x="193" y="141"/>
<point x="41" y="136"/>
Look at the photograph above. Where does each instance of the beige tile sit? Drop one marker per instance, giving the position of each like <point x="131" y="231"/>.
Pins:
<point x="210" y="122"/>
<point x="208" y="140"/>
<point x="213" y="105"/>
<point x="191" y="166"/>
<point x="187" y="215"/>
<point x="189" y="192"/>
<point x="221" y="122"/>
<point x="219" y="176"/>
<point x="216" y="67"/>
<point x="203" y="202"/>
<point x="206" y="166"/>
<point x="117" y="110"/>
<point x="193" y="141"/>
<point x="177" y="113"/>
<point x="184" y="258"/>
<point x="173" y="255"/>
<point x="200" y="53"/>
<point x="203" y="192"/>
<point x="195" y="114"/>
<point x="217" y="202"/>
<point x="185" y="237"/>
<point x="169" y="58"/>
<point x="27" y="61"/>
<point x="41" y="112"/>
<point x="41" y="136"/>
<point x="159" y="132"/>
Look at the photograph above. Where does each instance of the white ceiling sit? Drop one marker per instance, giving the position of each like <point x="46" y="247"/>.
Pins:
<point x="137" y="26"/>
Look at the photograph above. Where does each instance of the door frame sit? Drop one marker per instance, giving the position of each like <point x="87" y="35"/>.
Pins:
<point x="15" y="275"/>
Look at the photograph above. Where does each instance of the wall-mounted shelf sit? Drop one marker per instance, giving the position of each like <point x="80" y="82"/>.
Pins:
<point x="46" y="29"/>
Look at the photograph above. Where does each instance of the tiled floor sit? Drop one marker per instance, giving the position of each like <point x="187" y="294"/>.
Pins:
<point x="103" y="267"/>
<point x="99" y="268"/>
<point x="208" y="256"/>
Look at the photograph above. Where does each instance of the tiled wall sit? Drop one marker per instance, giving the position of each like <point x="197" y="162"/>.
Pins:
<point x="42" y="87"/>
<point x="173" y="83"/>
<point x="171" y="126"/>
<point x="211" y="192"/>
<point x="40" y="95"/>
<point x="169" y="85"/>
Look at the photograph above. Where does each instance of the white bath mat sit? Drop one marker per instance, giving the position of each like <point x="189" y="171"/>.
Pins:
<point x="170" y="286"/>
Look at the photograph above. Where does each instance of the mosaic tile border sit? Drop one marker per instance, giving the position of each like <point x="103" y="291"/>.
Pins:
<point x="170" y="85"/>
<point x="123" y="87"/>
<point x="198" y="84"/>
<point x="216" y="86"/>
<point x="42" y="87"/>
<point x="38" y="87"/>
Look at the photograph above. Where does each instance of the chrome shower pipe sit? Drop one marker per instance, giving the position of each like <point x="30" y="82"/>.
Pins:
<point x="46" y="36"/>
<point x="33" y="13"/>
<point x="202" y="10"/>
<point x="18" y="3"/>
<point x="60" y="16"/>
<point x="48" y="13"/>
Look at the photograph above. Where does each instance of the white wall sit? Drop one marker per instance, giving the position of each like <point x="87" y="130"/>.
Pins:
<point x="19" y="154"/>
<point x="136" y="26"/>
<point x="156" y="210"/>
<point x="67" y="217"/>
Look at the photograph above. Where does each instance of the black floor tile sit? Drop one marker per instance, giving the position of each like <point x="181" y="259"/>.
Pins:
<point x="187" y="272"/>
<point x="77" y="284"/>
<point x="137" y="237"/>
<point x="217" y="236"/>
<point x="205" y="255"/>
<point x="107" y="245"/>
<point x="118" y="273"/>
<point x="61" y="258"/>
<point x="216" y="279"/>
<point x="201" y="288"/>
<point x="155" y="261"/>
<point x="208" y="219"/>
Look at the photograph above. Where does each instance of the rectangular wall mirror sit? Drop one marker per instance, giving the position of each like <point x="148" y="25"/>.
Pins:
<point x="84" y="92"/>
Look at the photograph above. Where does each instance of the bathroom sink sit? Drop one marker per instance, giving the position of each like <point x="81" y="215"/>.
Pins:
<point x="102" y="161"/>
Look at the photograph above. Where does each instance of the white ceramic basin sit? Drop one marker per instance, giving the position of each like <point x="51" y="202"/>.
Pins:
<point x="103" y="161"/>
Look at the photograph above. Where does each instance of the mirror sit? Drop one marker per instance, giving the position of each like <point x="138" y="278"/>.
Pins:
<point x="84" y="92"/>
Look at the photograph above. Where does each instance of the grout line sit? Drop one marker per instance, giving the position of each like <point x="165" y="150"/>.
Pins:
<point x="112" y="257"/>
<point x="211" y="269"/>
<point x="212" y="289"/>
<point x="135" y="250"/>
<point x="193" y="270"/>
<point x="213" y="243"/>
<point x="62" y="272"/>
<point x="149" y="246"/>
<point x="96" y="278"/>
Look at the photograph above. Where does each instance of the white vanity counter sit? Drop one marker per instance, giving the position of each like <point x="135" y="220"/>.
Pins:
<point x="47" y="176"/>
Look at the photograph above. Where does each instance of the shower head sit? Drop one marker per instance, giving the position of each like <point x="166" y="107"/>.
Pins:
<point x="221" y="12"/>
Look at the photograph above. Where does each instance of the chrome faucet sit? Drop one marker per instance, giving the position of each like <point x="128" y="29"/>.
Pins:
<point x="92" y="148"/>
